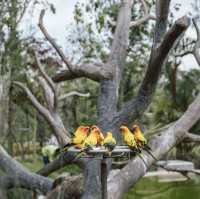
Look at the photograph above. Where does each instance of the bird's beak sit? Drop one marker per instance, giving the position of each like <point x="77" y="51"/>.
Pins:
<point x="86" y="129"/>
<point x="93" y="127"/>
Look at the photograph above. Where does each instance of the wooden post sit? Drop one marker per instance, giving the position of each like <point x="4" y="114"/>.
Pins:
<point x="104" y="175"/>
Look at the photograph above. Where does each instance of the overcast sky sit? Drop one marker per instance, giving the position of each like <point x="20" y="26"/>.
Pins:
<point x="57" y="24"/>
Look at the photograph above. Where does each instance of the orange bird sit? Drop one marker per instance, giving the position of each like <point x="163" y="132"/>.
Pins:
<point x="129" y="138"/>
<point x="100" y="135"/>
<point x="80" y="135"/>
<point x="141" y="140"/>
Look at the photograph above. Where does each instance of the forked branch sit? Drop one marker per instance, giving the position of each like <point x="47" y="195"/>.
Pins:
<point x="52" y="42"/>
<point x="47" y="79"/>
<point x="51" y="115"/>
<point x="137" y="106"/>
<point x="147" y="16"/>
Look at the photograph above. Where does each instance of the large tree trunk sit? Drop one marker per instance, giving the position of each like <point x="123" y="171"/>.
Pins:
<point x="108" y="97"/>
<point x="4" y="103"/>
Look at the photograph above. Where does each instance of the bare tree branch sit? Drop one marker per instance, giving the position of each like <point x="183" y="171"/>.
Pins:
<point x="41" y="109"/>
<point x="145" y="18"/>
<point x="109" y="90"/>
<point x="142" y="20"/>
<point x="47" y="78"/>
<point x="21" y="177"/>
<point x="184" y="172"/>
<point x="162" y="11"/>
<point x="160" y="145"/>
<point x="136" y="107"/>
<point x="121" y="36"/>
<point x="197" y="44"/>
<point x="52" y="117"/>
<point x="72" y="93"/>
<point x="53" y="43"/>
<point x="189" y="137"/>
<point x="92" y="71"/>
<point x="95" y="72"/>
<point x="48" y="94"/>
<point x="17" y="176"/>
<point x="145" y="7"/>
<point x="62" y="161"/>
<point x="183" y="54"/>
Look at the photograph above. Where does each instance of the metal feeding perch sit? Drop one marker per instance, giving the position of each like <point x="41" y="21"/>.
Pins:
<point x="102" y="154"/>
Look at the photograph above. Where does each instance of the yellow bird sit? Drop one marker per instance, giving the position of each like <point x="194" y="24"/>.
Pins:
<point x="92" y="140"/>
<point x="79" y="136"/>
<point x="100" y="136"/>
<point x="129" y="138"/>
<point x="141" y="140"/>
<point x="109" y="142"/>
<point x="139" y="137"/>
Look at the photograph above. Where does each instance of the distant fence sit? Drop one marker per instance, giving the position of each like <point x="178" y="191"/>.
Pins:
<point x="25" y="148"/>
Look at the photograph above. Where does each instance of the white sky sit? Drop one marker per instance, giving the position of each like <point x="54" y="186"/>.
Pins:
<point x="57" y="23"/>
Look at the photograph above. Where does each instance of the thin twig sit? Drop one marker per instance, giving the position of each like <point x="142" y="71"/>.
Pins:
<point x="146" y="16"/>
<point x="72" y="93"/>
<point x="47" y="78"/>
<point x="53" y="43"/>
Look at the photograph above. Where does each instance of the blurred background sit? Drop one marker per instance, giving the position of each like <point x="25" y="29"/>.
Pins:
<point x="84" y="29"/>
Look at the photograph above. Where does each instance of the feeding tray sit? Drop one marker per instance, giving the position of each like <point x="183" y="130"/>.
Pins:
<point x="100" y="151"/>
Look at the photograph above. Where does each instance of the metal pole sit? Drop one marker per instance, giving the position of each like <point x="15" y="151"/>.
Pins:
<point x="104" y="175"/>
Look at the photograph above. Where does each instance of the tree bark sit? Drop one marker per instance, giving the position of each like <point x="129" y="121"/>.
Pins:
<point x="160" y="145"/>
<point x="108" y="97"/>
<point x="20" y="176"/>
<point x="4" y="103"/>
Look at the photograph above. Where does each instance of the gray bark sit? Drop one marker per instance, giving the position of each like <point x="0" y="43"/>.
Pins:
<point x="19" y="176"/>
<point x="108" y="98"/>
<point x="4" y="102"/>
<point x="160" y="145"/>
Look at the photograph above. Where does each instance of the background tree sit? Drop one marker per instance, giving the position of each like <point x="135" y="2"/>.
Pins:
<point x="111" y="112"/>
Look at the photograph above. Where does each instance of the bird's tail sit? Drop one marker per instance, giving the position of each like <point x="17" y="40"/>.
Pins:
<point x="140" y="156"/>
<point x="146" y="146"/>
<point x="150" y="153"/>
<point x="82" y="152"/>
<point x="63" y="149"/>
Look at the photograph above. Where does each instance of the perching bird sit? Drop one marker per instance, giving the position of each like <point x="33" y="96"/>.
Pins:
<point x="141" y="140"/>
<point x="129" y="138"/>
<point x="79" y="136"/>
<point x="109" y="142"/>
<point x="100" y="137"/>
<point x="92" y="140"/>
<point x="139" y="137"/>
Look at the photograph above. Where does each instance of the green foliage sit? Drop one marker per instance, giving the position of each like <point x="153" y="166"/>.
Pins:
<point x="164" y="107"/>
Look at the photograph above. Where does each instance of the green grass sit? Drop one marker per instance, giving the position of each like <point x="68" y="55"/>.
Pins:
<point x="152" y="189"/>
